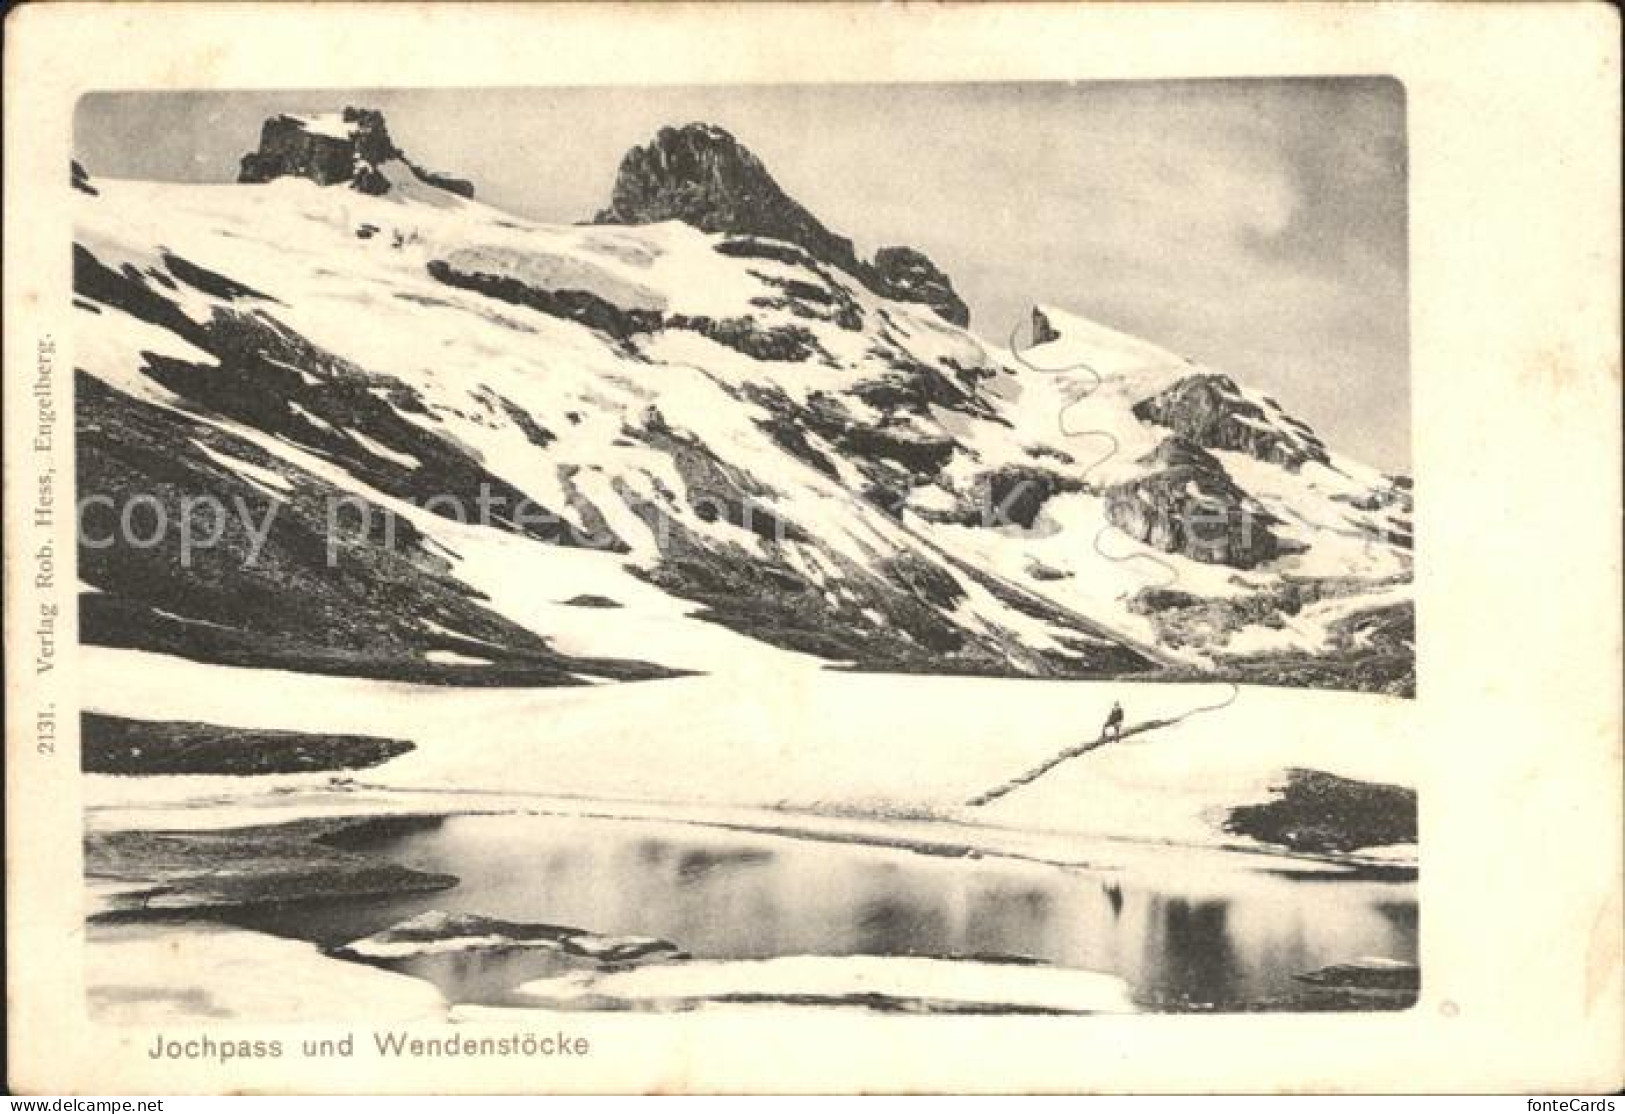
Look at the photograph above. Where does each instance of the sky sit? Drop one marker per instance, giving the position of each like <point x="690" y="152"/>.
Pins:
<point x="1256" y="225"/>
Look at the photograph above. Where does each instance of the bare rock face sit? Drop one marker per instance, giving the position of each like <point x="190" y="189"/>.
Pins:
<point x="1015" y="495"/>
<point x="906" y="275"/>
<point x="1209" y="410"/>
<point x="1188" y="504"/>
<point x="1043" y="331"/>
<point x="80" y="180"/>
<point x="349" y="147"/>
<point x="307" y="147"/>
<point x="703" y="176"/>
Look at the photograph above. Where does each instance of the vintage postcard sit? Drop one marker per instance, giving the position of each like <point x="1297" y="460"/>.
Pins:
<point x="627" y="548"/>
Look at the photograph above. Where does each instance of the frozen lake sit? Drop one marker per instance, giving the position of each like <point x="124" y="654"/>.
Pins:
<point x="1225" y="937"/>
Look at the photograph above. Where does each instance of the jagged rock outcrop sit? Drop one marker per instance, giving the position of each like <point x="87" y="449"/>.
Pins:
<point x="701" y="175"/>
<point x="1043" y="331"/>
<point x="351" y="147"/>
<point x="1188" y="504"/>
<point x="906" y="275"/>
<point x="581" y="306"/>
<point x="321" y="149"/>
<point x="789" y="343"/>
<point x="81" y="180"/>
<point x="1210" y="410"/>
<point x="1012" y="495"/>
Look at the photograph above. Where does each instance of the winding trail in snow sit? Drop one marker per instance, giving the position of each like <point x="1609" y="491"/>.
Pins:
<point x="1170" y="573"/>
<point x="1168" y="570"/>
<point x="1083" y="748"/>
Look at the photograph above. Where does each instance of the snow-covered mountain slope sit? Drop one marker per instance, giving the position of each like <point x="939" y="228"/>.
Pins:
<point x="614" y="451"/>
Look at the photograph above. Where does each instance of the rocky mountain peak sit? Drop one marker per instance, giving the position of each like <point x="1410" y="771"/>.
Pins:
<point x="703" y="176"/>
<point x="351" y="147"/>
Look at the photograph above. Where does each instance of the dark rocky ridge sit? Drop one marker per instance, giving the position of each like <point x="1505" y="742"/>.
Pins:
<point x="906" y="275"/>
<point x="129" y="747"/>
<point x="288" y="148"/>
<point x="791" y="343"/>
<point x="1209" y="410"/>
<point x="703" y="176"/>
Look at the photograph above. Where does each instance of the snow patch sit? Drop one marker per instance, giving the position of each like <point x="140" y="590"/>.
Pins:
<point x="135" y="975"/>
<point x="903" y="980"/>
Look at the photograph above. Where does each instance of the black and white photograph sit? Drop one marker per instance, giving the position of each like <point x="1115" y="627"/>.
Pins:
<point x="665" y="548"/>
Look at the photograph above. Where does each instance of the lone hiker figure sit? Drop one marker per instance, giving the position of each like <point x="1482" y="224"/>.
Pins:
<point x="1114" y="723"/>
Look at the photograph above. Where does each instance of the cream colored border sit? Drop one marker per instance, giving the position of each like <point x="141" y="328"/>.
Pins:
<point x="1514" y="139"/>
